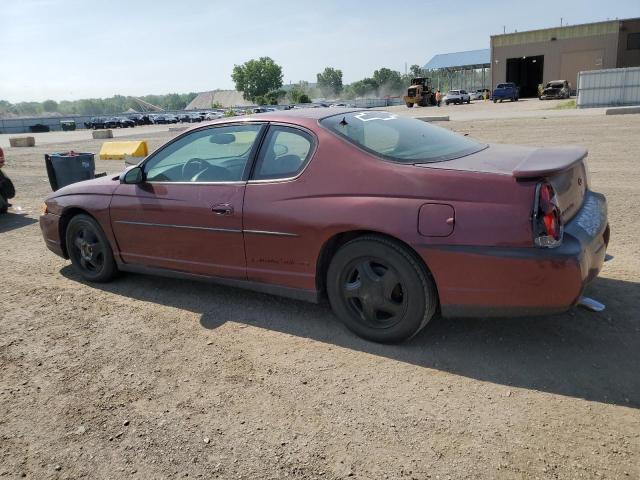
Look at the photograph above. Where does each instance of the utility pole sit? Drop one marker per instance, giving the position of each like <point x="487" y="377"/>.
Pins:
<point x="504" y="29"/>
<point x="561" y="22"/>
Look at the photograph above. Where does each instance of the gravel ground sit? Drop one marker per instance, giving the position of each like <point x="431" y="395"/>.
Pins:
<point x="157" y="378"/>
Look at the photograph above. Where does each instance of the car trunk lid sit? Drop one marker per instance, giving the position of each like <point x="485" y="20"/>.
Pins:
<point x="563" y="167"/>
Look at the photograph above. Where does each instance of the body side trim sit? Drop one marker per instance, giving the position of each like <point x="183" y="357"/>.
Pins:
<point x="211" y="229"/>
<point x="188" y="227"/>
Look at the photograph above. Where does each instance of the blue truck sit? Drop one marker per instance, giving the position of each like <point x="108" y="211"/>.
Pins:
<point x="505" y="91"/>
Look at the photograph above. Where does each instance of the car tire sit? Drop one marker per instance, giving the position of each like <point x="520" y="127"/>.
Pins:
<point x="468" y="100"/>
<point x="89" y="249"/>
<point x="494" y="100"/>
<point x="380" y="290"/>
<point x="409" y="105"/>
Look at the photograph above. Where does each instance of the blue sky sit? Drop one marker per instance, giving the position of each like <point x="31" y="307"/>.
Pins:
<point x="70" y="49"/>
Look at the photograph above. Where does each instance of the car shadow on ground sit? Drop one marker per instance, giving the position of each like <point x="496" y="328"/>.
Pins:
<point x="579" y="354"/>
<point x="10" y="221"/>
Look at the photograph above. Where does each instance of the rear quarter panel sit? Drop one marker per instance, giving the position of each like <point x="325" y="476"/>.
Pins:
<point x="345" y="189"/>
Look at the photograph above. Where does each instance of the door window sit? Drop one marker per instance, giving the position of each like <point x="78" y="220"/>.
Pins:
<point x="285" y="153"/>
<point x="210" y="155"/>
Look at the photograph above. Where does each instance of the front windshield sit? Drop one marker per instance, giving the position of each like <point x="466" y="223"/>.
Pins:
<point x="400" y="139"/>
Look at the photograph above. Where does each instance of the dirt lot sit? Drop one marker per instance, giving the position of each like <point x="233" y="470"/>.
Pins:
<point x="157" y="378"/>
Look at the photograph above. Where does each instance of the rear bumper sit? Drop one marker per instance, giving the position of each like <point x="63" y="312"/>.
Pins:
<point x="50" y="227"/>
<point x="502" y="281"/>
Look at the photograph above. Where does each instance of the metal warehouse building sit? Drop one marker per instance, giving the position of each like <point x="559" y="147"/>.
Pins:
<point x="539" y="56"/>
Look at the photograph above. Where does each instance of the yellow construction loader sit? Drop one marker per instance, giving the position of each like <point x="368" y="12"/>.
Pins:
<point x="420" y="93"/>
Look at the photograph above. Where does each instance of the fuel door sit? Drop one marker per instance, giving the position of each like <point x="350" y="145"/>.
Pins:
<point x="436" y="220"/>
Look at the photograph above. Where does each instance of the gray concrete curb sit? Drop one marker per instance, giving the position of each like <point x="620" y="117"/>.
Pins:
<point x="622" y="110"/>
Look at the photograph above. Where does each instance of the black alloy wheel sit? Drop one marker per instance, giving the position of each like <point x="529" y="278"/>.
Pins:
<point x="374" y="292"/>
<point x="89" y="249"/>
<point x="380" y="289"/>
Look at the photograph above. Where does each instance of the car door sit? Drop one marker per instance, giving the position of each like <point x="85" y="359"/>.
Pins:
<point x="276" y="250"/>
<point x="186" y="214"/>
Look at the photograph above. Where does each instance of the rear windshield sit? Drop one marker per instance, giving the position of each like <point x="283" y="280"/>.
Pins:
<point x="400" y="139"/>
<point x="504" y="85"/>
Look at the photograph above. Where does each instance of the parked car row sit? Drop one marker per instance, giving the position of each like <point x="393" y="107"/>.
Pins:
<point x="110" y="122"/>
<point x="555" y="89"/>
<point x="187" y="117"/>
<point x="503" y="91"/>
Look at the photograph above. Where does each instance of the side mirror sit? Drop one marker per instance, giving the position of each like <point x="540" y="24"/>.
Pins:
<point x="132" y="176"/>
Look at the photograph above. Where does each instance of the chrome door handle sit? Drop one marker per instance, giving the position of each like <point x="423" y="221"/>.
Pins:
<point x="222" y="209"/>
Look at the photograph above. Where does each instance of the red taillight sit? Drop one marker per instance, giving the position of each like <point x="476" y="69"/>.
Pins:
<point x="547" y="225"/>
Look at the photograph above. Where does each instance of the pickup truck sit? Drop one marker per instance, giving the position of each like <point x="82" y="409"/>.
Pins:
<point x="505" y="91"/>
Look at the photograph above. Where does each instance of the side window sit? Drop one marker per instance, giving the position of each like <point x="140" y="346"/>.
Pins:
<point x="218" y="154"/>
<point x="284" y="153"/>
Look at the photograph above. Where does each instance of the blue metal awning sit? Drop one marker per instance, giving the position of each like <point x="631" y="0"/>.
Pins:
<point x="469" y="59"/>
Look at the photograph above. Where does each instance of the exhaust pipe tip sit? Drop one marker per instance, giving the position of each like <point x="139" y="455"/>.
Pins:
<point x="591" y="304"/>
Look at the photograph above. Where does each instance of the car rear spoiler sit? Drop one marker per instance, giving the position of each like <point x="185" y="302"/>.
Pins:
<point x="544" y="161"/>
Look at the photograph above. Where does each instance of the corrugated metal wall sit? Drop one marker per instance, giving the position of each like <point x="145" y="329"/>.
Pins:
<point x="608" y="88"/>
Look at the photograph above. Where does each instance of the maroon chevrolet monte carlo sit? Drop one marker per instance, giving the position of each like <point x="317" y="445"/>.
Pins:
<point x="391" y="218"/>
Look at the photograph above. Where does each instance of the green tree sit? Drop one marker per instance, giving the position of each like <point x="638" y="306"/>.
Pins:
<point x="362" y="88"/>
<point x="27" y="108"/>
<point x="256" y="78"/>
<point x="388" y="81"/>
<point x="50" y="106"/>
<point x="416" y="71"/>
<point x="173" y="101"/>
<point x="299" y="93"/>
<point x="330" y="82"/>
<point x="271" y="98"/>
